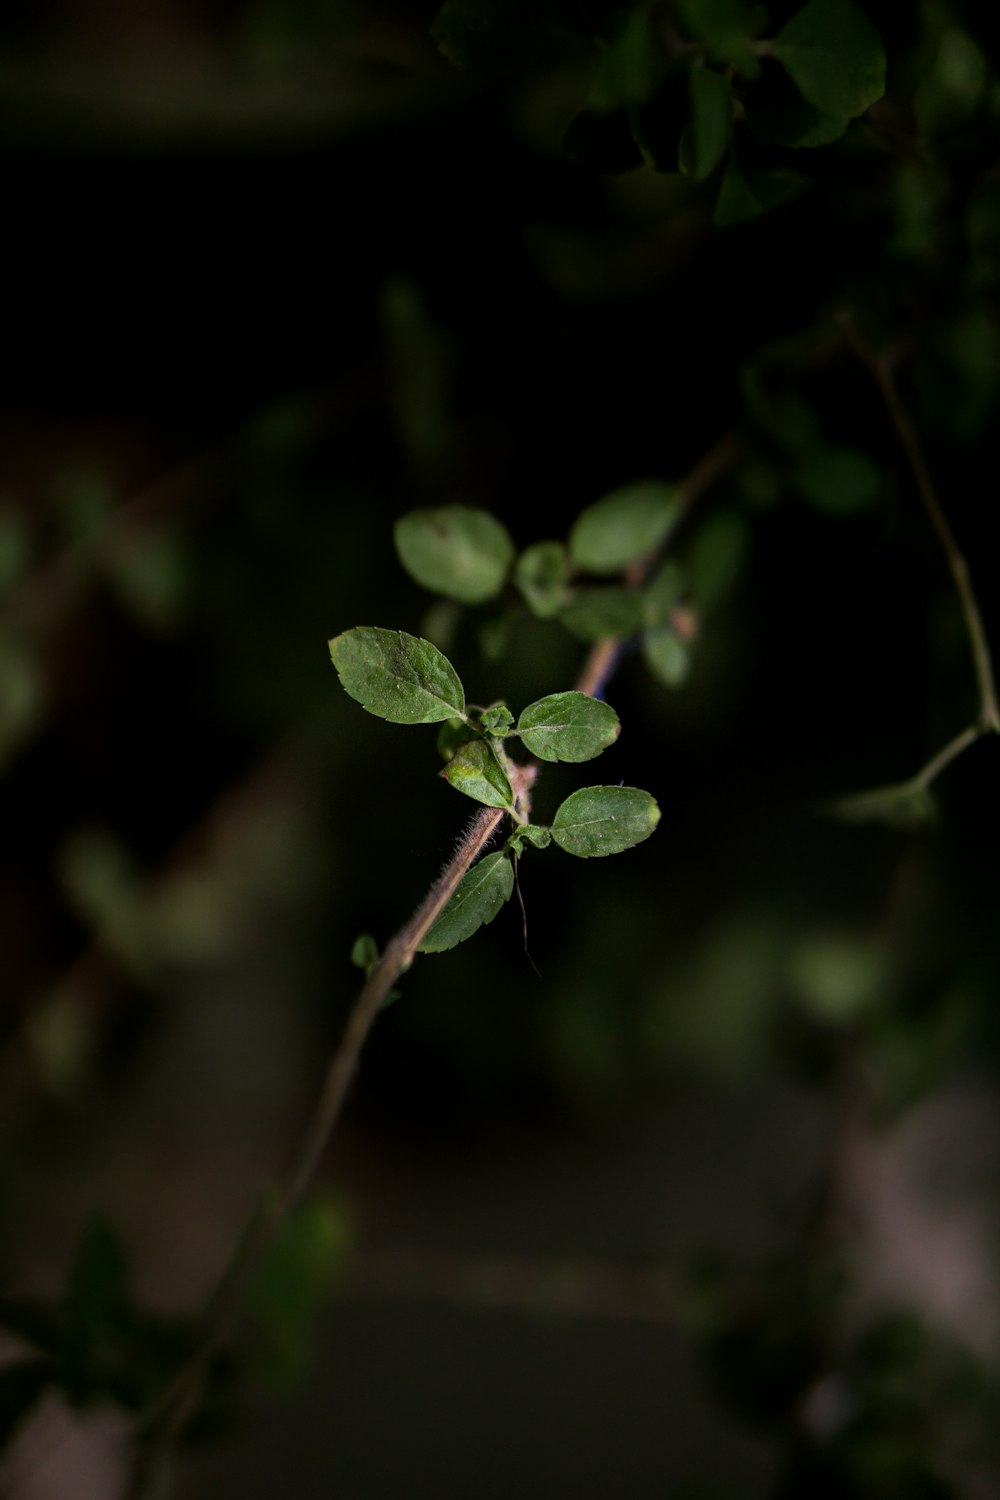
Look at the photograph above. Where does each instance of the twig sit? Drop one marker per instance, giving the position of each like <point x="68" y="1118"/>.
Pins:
<point x="168" y="1419"/>
<point x="881" y="370"/>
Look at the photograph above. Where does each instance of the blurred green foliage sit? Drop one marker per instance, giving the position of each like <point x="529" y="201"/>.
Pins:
<point x="316" y="277"/>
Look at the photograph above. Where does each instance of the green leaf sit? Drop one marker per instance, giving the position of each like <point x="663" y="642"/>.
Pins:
<point x="475" y="770"/>
<point x="599" y="613"/>
<point x="624" y="526"/>
<point x="628" y="69"/>
<point x="456" y="551"/>
<point x="496" y="720"/>
<point x="289" y="1288"/>
<point x="838" y="481"/>
<point x="745" y="194"/>
<point x="779" y="116"/>
<point x="530" y="833"/>
<point x="396" y="676"/>
<point x="479" y="896"/>
<point x="542" y="573"/>
<point x="364" y="953"/>
<point x="834" y="56"/>
<point x="667" y="655"/>
<point x="704" y="142"/>
<point x="568" y="726"/>
<point x="906" y="805"/>
<point x="599" y="820"/>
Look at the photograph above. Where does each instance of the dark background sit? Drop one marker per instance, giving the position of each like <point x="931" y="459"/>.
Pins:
<point x="276" y="274"/>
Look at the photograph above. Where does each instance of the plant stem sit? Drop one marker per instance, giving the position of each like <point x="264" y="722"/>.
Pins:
<point x="600" y="665"/>
<point x="169" y="1418"/>
<point x="881" y="370"/>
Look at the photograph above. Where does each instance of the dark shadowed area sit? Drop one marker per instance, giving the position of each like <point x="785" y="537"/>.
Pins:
<point x="698" y="1200"/>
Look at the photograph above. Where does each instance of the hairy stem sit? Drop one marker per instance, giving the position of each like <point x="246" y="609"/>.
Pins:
<point x="167" y="1421"/>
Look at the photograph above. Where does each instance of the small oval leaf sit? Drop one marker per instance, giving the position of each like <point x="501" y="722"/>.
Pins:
<point x="541" y="574"/>
<point x="667" y="655"/>
<point x="568" y="726"/>
<point x="456" y="551"/>
<point x="478" y="897"/>
<point x="475" y="770"/>
<point x="625" y="525"/>
<point x="396" y="676"/>
<point x="599" y="820"/>
<point x="834" y="56"/>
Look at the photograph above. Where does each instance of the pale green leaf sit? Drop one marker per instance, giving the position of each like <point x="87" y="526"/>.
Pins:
<point x="364" y="953"/>
<point x="479" y="896"/>
<point x="530" y="833"/>
<point x="496" y="720"/>
<point x="396" y="676"/>
<point x="906" y="805"/>
<point x="667" y="655"/>
<point x="541" y="574"/>
<point x="462" y="553"/>
<point x="599" y="820"/>
<point x="834" y="56"/>
<point x="624" y="526"/>
<point x="475" y="770"/>
<point x="839" y="481"/>
<point x="568" y="726"/>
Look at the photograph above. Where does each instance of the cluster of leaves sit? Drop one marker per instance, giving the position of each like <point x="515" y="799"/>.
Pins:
<point x="407" y="680"/>
<point x="705" y="87"/>
<point x="597" y="582"/>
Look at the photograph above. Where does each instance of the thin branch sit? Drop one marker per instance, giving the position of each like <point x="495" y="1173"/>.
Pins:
<point x="881" y="370"/>
<point x="943" y="758"/>
<point x="600" y="665"/>
<point x="167" y="1421"/>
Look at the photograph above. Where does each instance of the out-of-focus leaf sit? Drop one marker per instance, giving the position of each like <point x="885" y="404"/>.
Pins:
<point x="624" y="526"/>
<point x="479" y="896"/>
<point x="454" y="550"/>
<point x="778" y="115"/>
<point x="542" y="574"/>
<point x="745" y="193"/>
<point x="907" y="805"/>
<point x="629" y="67"/>
<point x="396" y="676"/>
<point x="292" y="1283"/>
<point x="599" y="820"/>
<point x="715" y="558"/>
<point x="834" y="56"/>
<point x="704" y="142"/>
<point x="667" y="655"/>
<point x="838" y="481"/>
